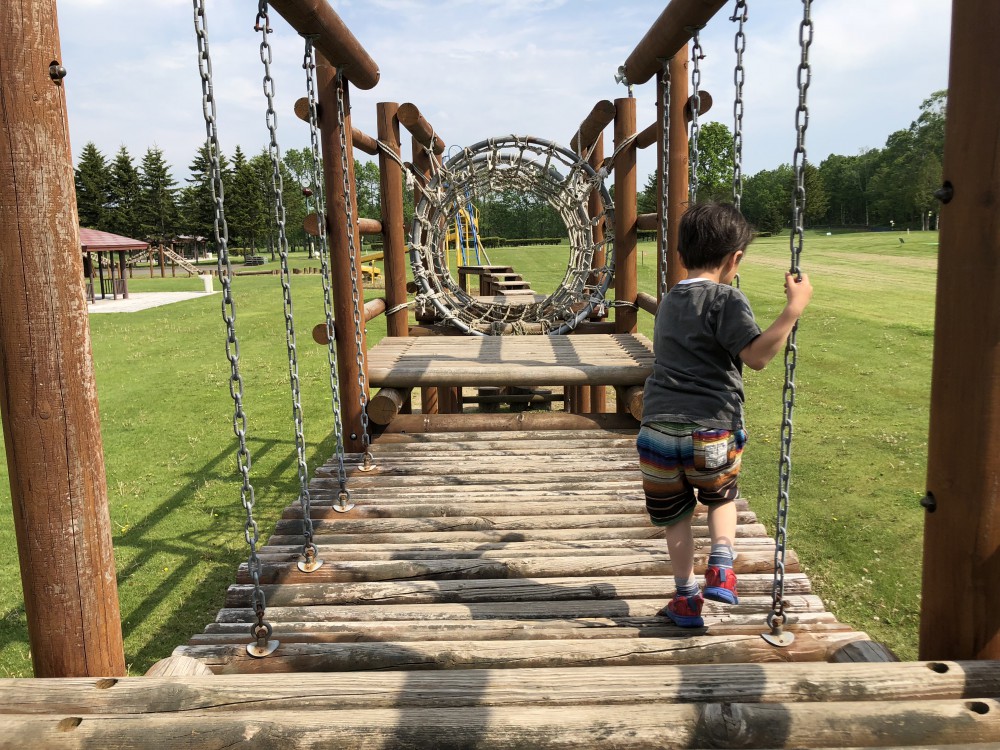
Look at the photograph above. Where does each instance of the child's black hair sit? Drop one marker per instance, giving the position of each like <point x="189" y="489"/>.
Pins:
<point x="711" y="231"/>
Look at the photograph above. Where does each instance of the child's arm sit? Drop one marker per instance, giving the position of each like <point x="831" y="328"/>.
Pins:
<point x="762" y="349"/>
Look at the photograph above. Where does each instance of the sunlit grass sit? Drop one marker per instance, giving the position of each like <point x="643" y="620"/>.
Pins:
<point x="859" y="448"/>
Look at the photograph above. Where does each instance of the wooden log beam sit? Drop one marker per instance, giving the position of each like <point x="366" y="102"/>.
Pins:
<point x="626" y="265"/>
<point x="633" y="401"/>
<point x="369" y="226"/>
<point x="346" y="300"/>
<point x="669" y="33"/>
<point x="411" y="423"/>
<point x="393" y="231"/>
<point x="362" y="140"/>
<point x="48" y="393"/>
<point x="310" y="657"/>
<point x="677" y="180"/>
<point x="411" y="119"/>
<point x="648" y="222"/>
<point x="957" y="722"/>
<point x="770" y="684"/>
<point x="332" y="38"/>
<point x="647" y="302"/>
<point x="593" y="126"/>
<point x="962" y="526"/>
<point x="372" y="309"/>
<point x="648" y="136"/>
<point x="386" y="405"/>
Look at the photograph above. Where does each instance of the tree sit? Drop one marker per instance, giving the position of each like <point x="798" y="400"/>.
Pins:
<point x="646" y="202"/>
<point x="93" y="181"/>
<point x="124" y="196"/>
<point x="767" y="198"/>
<point x="366" y="181"/>
<point x="241" y="209"/>
<point x="196" y="202"/>
<point x="157" y="198"/>
<point x="817" y="199"/>
<point x="715" y="162"/>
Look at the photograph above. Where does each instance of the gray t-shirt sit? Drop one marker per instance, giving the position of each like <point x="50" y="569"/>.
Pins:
<point x="701" y="328"/>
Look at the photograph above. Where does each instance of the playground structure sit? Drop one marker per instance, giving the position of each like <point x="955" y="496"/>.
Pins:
<point x="538" y="546"/>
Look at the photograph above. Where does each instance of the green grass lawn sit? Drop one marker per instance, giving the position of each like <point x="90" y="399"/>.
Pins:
<point x="859" y="453"/>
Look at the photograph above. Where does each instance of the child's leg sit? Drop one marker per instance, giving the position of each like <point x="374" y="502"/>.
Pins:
<point x="722" y="523"/>
<point x="680" y="544"/>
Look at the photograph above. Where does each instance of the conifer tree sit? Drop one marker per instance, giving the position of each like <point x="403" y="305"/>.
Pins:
<point x="158" y="200"/>
<point x="92" y="178"/>
<point x="124" y="194"/>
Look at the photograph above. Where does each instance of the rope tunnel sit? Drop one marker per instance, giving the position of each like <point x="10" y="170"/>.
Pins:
<point x="531" y="166"/>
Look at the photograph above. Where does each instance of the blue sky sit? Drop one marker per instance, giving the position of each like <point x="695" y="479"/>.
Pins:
<point x="479" y="68"/>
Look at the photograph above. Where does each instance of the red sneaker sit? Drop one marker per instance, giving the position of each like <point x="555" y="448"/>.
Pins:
<point x="720" y="585"/>
<point x="685" y="611"/>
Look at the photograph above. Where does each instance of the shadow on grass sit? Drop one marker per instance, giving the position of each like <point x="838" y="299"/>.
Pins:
<point x="214" y="552"/>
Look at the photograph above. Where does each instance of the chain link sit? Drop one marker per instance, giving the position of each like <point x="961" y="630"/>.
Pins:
<point x="739" y="78"/>
<point x="696" y="58"/>
<point x="777" y="615"/>
<point x="319" y="191"/>
<point x="355" y="285"/>
<point x="664" y="176"/>
<point x="277" y="187"/>
<point x="221" y="232"/>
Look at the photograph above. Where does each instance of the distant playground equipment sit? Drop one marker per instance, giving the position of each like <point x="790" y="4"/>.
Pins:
<point x="463" y="236"/>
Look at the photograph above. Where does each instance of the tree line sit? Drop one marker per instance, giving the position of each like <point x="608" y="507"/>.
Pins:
<point x="145" y="201"/>
<point x="877" y="187"/>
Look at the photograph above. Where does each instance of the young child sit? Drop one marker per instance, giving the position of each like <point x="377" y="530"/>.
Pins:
<point x="692" y="431"/>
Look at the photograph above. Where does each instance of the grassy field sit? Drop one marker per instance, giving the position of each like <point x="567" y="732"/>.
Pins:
<point x="859" y="453"/>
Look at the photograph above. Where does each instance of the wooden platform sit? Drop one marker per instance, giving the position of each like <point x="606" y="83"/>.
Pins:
<point x="616" y="359"/>
<point x="500" y="590"/>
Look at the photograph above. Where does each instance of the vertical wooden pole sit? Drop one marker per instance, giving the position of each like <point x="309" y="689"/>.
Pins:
<point x="677" y="187"/>
<point x="598" y="393"/>
<point x="338" y="204"/>
<point x="960" y="608"/>
<point x="428" y="394"/>
<point x="48" y="395"/>
<point x="393" y="230"/>
<point x="626" y="217"/>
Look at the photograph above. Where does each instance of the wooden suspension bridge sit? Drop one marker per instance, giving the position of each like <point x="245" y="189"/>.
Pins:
<point x="497" y="582"/>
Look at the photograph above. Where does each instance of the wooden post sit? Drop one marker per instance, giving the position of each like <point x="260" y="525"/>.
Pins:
<point x="960" y="609"/>
<point x="598" y="393"/>
<point x="163" y="270"/>
<point x="338" y="204"/>
<point x="393" y="229"/>
<point x="48" y="395"/>
<point x="677" y="182"/>
<point x="626" y="280"/>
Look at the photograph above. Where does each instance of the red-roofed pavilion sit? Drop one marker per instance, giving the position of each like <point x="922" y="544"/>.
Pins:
<point x="92" y="241"/>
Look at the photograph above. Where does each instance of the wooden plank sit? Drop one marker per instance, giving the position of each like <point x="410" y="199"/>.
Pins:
<point x="473" y="523"/>
<point x="362" y="657"/>
<point x="581" y="686"/>
<point x="497" y="629"/>
<point x="501" y="630"/>
<point x="458" y="550"/>
<point x="501" y="568"/>
<point x="510" y="590"/>
<point x="601" y="727"/>
<point x="637" y="532"/>
<point x="750" y="605"/>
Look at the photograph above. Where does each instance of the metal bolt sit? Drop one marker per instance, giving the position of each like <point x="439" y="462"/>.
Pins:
<point x="929" y="502"/>
<point x="56" y="71"/>
<point x="945" y="193"/>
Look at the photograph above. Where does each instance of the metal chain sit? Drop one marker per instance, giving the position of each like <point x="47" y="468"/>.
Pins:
<point x="664" y="176"/>
<point x="739" y="78"/>
<point x="696" y="57"/>
<point x="355" y="287"/>
<point x="776" y="618"/>
<point x="261" y="628"/>
<point x="309" y="63"/>
<point x="277" y="186"/>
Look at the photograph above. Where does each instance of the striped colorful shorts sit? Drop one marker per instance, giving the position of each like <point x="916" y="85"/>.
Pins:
<point x="685" y="463"/>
